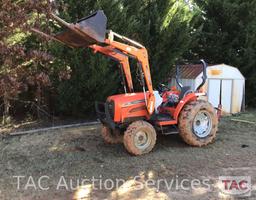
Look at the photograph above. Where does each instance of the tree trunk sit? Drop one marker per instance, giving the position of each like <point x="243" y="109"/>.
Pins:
<point x="39" y="99"/>
<point x="7" y="105"/>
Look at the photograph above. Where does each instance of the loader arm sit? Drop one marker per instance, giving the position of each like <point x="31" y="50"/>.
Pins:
<point x="121" y="58"/>
<point x="91" y="32"/>
<point x="139" y="53"/>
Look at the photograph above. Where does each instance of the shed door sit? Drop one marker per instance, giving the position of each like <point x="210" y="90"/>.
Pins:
<point x="226" y="95"/>
<point x="214" y="92"/>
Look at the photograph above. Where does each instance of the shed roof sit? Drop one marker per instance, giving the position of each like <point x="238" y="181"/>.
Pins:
<point x="195" y="71"/>
<point x="187" y="71"/>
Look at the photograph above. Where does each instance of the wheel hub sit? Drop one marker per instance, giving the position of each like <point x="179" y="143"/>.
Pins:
<point x="141" y="140"/>
<point x="202" y="124"/>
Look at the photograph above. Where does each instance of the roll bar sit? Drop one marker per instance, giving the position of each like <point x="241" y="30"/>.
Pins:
<point x="177" y="77"/>
<point x="204" y="77"/>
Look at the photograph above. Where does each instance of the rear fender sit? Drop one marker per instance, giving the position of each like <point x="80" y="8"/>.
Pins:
<point x="188" y="98"/>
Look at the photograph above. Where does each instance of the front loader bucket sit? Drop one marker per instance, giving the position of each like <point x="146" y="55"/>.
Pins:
<point x="86" y="31"/>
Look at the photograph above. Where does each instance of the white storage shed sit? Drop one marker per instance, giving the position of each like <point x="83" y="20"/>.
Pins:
<point x="225" y="85"/>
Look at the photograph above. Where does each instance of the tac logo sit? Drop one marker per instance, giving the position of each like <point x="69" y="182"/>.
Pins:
<point x="235" y="185"/>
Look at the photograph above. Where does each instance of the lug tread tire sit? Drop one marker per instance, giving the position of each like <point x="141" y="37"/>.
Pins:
<point x="186" y="123"/>
<point x="130" y="133"/>
<point x="110" y="137"/>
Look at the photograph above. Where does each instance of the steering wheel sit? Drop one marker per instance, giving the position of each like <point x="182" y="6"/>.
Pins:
<point x="162" y="88"/>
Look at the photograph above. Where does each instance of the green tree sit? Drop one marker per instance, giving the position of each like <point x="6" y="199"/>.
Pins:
<point x="229" y="36"/>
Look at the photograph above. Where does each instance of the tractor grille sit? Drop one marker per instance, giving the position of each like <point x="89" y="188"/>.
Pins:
<point x="111" y="108"/>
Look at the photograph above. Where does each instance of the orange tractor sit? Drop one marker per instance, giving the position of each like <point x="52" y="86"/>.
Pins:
<point x="135" y="118"/>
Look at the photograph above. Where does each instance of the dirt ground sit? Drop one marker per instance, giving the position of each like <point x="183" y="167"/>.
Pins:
<point x="62" y="164"/>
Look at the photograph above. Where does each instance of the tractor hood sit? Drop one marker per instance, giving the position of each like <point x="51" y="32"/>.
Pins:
<point x="128" y="106"/>
<point x="125" y="100"/>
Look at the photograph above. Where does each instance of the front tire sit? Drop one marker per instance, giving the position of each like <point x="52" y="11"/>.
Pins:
<point x="111" y="136"/>
<point x="139" y="138"/>
<point x="198" y="123"/>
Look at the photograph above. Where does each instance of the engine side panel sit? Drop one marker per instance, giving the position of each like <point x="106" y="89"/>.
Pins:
<point x="129" y="107"/>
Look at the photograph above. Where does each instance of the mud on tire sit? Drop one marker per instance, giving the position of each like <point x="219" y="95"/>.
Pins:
<point x="111" y="136"/>
<point x="187" y="120"/>
<point x="139" y="138"/>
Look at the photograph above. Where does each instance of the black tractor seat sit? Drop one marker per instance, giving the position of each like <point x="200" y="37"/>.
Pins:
<point x="183" y="91"/>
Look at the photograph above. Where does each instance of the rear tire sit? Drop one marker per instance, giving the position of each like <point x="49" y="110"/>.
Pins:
<point x="198" y="123"/>
<point x="139" y="138"/>
<point x="111" y="136"/>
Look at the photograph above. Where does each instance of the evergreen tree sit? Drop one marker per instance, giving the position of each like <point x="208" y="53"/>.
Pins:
<point x="229" y="36"/>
